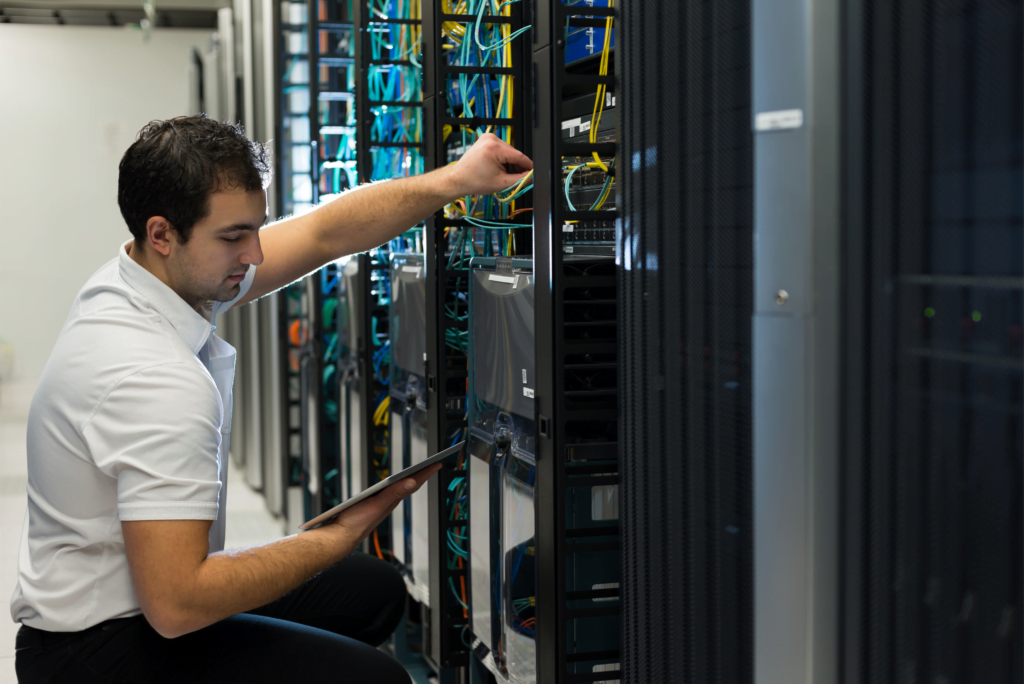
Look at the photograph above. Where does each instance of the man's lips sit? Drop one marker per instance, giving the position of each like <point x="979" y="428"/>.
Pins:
<point x="237" y="278"/>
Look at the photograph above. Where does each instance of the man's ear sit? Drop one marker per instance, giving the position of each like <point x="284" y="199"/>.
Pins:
<point x="161" y="235"/>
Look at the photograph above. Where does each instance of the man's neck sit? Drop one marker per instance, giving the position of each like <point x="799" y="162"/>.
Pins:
<point x="144" y="258"/>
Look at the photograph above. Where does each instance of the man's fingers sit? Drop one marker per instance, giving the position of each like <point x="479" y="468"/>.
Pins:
<point x="516" y="159"/>
<point x="410" y="484"/>
<point x="509" y="179"/>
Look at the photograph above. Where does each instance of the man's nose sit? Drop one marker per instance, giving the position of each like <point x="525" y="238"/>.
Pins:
<point x="253" y="253"/>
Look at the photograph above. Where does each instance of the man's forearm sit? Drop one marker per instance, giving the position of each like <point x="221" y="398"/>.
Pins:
<point x="361" y="219"/>
<point x="231" y="582"/>
<point x="372" y="214"/>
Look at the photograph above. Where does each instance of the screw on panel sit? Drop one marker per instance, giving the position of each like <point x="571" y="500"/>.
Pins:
<point x="781" y="297"/>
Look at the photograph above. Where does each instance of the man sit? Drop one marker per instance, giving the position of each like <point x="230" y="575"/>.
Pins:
<point x="122" y="575"/>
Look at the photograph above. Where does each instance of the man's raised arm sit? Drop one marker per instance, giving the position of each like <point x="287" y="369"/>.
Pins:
<point x="372" y="214"/>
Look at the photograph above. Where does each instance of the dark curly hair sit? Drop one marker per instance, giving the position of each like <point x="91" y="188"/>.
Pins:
<point x="173" y="166"/>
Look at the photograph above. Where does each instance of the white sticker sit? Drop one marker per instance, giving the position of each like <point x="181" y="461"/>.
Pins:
<point x="424" y="356"/>
<point x="411" y="269"/>
<point x="779" y="120"/>
<point x="501" y="279"/>
<point x="527" y="392"/>
<point x="607" y="99"/>
<point x="567" y="227"/>
<point x="567" y="249"/>
<point x="585" y="127"/>
<point x="524" y="376"/>
<point x="515" y="282"/>
<point x="571" y="123"/>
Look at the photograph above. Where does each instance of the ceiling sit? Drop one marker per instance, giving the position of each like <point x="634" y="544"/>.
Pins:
<point x="83" y="12"/>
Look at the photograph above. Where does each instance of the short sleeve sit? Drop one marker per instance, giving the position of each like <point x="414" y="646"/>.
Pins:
<point x="158" y="432"/>
<point x="243" y="289"/>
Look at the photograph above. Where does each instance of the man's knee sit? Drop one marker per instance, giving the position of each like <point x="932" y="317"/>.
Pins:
<point x="393" y="598"/>
<point x="392" y="673"/>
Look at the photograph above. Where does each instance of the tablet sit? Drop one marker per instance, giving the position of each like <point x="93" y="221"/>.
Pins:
<point x="383" y="484"/>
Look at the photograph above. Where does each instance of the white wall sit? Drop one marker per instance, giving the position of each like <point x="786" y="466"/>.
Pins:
<point x="71" y="101"/>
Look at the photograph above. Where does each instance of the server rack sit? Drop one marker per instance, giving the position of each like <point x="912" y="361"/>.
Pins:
<point x="407" y="334"/>
<point x="686" y="271"/>
<point x="330" y="146"/>
<point x="502" y="466"/>
<point x="576" y="398"/>
<point x="294" y="182"/>
<point x="387" y="104"/>
<point x="887" y="357"/>
<point x="386" y="84"/>
<point x="931" y="285"/>
<point x="446" y="638"/>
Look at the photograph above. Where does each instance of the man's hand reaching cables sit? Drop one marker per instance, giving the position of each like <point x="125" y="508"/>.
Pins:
<point x="489" y="166"/>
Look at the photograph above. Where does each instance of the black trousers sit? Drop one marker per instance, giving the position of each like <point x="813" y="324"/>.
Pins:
<point x="324" y="631"/>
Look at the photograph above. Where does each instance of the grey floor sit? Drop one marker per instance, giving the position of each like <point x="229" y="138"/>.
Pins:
<point x="248" y="520"/>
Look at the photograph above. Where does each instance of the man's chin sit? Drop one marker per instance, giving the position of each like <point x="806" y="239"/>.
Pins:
<point x="225" y="293"/>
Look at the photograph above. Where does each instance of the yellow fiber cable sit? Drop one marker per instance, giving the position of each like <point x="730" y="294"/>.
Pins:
<point x="601" y="89"/>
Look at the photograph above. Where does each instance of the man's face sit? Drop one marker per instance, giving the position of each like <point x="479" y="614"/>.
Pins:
<point x="210" y="266"/>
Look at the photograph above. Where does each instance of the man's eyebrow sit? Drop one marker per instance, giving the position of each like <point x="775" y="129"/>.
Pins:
<point x="237" y="226"/>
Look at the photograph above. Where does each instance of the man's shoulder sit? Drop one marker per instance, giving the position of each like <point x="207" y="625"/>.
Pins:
<point x="111" y="335"/>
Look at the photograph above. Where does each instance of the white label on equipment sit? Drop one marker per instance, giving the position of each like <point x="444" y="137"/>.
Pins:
<point x="611" y="667"/>
<point x="424" y="356"/>
<point x="779" y="120"/>
<point x="524" y="376"/>
<point x="585" y="127"/>
<point x="567" y="227"/>
<point x="607" y="99"/>
<point x="567" y="249"/>
<point x="502" y="279"/>
<point x="411" y="269"/>
<point x="515" y="282"/>
<point x="572" y="123"/>
<point x="527" y="392"/>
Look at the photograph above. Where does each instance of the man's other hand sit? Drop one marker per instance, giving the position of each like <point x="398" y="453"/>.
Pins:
<point x="363" y="518"/>
<point x="489" y="166"/>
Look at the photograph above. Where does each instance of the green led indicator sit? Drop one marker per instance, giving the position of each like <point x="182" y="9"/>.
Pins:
<point x="976" y="316"/>
<point x="929" y="312"/>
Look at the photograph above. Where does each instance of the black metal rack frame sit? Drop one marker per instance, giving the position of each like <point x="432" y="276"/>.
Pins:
<point x="563" y="465"/>
<point x="292" y="296"/>
<point x="326" y="430"/>
<point x="447" y="370"/>
<point x="369" y="386"/>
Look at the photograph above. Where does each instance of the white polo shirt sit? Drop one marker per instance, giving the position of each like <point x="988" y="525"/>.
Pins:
<point x="130" y="421"/>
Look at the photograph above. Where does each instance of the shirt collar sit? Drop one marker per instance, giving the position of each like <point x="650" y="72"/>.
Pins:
<point x="192" y="327"/>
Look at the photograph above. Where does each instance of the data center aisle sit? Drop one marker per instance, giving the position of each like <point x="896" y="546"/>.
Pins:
<point x="249" y="521"/>
<point x="14" y="401"/>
